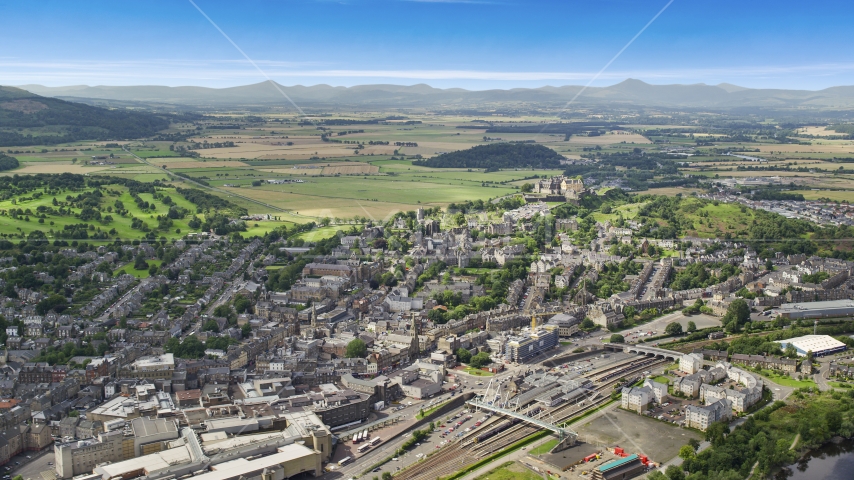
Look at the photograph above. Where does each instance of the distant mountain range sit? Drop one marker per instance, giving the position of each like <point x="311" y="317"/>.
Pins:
<point x="628" y="92"/>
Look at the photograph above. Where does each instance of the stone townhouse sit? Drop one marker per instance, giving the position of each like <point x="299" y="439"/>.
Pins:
<point x="659" y="390"/>
<point x="636" y="399"/>
<point x="688" y="386"/>
<point x="701" y="417"/>
<point x="763" y="361"/>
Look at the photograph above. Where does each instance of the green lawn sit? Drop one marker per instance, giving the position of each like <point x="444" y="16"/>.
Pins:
<point x="477" y="372"/>
<point x="544" y="447"/>
<point x="628" y="211"/>
<point x="128" y="268"/>
<point x="661" y="379"/>
<point x="423" y="413"/>
<point x="263" y="227"/>
<point x="475" y="271"/>
<point x="509" y="471"/>
<point x="786" y="380"/>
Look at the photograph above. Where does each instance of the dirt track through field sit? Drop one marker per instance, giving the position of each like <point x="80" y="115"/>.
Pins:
<point x="57" y="168"/>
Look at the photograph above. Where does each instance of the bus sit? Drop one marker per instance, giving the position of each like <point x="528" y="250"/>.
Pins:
<point x="365" y="435"/>
<point x="344" y="461"/>
<point x="357" y="438"/>
<point x="375" y="441"/>
<point x="364" y="448"/>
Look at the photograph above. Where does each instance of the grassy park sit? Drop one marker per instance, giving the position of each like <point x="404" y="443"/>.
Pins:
<point x="143" y="273"/>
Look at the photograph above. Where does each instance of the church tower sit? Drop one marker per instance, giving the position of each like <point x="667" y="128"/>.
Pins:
<point x="414" y="330"/>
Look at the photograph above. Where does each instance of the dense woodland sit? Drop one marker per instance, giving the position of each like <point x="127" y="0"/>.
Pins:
<point x="636" y="170"/>
<point x="8" y="163"/>
<point x="497" y="156"/>
<point x="22" y="112"/>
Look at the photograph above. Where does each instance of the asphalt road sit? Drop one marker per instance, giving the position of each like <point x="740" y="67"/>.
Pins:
<point x="122" y="300"/>
<point x="821" y="377"/>
<point x="32" y="464"/>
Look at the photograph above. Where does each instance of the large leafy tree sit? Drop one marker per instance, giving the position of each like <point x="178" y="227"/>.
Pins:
<point x="55" y="302"/>
<point x="356" y="349"/>
<point x="140" y="263"/>
<point x="463" y="355"/>
<point x="737" y="314"/>
<point x="480" y="360"/>
<point x="242" y="304"/>
<point x="673" y="328"/>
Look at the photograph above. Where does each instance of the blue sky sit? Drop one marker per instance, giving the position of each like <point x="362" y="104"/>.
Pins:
<point x="471" y="44"/>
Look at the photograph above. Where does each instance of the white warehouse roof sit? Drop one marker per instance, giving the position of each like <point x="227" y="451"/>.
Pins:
<point x="817" y="344"/>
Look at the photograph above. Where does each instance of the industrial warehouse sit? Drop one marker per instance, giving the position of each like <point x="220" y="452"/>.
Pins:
<point x="819" y="345"/>
<point x="825" y="309"/>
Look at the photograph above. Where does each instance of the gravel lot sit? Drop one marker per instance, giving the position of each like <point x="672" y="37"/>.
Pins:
<point x="637" y="434"/>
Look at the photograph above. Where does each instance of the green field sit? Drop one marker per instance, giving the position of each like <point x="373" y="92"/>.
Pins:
<point x="376" y="197"/>
<point x="322" y="233"/>
<point x="399" y="185"/>
<point x="836" y="195"/>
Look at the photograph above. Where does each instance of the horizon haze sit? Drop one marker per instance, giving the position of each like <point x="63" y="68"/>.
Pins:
<point x="472" y="44"/>
<point x="630" y="92"/>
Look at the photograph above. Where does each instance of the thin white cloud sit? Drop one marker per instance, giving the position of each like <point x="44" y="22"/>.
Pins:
<point x="235" y="72"/>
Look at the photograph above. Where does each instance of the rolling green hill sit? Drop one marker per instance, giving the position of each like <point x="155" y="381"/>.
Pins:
<point x="29" y="119"/>
<point x="497" y="156"/>
<point x="72" y="207"/>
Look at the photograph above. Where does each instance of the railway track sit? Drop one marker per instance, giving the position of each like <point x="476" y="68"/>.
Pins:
<point x="616" y="372"/>
<point x="563" y="412"/>
<point x="592" y="375"/>
<point x="465" y="451"/>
